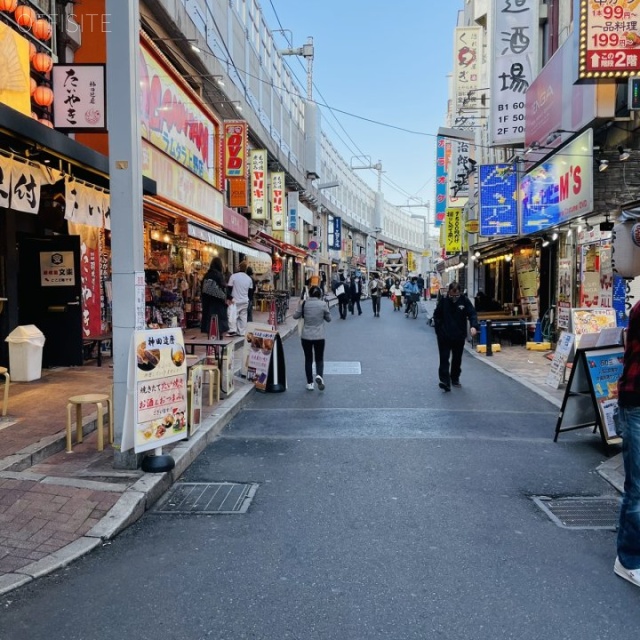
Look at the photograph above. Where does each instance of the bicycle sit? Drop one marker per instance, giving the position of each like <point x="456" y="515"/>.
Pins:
<point x="412" y="311"/>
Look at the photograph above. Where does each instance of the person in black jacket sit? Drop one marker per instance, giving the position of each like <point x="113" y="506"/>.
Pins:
<point x="355" y="291"/>
<point x="451" y="315"/>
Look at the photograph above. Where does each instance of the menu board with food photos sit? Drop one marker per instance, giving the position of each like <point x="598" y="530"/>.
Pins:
<point x="160" y="407"/>
<point x="260" y="343"/>
<point x="591" y="321"/>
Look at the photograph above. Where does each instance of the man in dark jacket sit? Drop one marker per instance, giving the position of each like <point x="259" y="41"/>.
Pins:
<point x="451" y="315"/>
<point x="355" y="292"/>
<point x="339" y="287"/>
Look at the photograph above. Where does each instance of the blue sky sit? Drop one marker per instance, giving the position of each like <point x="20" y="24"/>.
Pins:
<point x="381" y="61"/>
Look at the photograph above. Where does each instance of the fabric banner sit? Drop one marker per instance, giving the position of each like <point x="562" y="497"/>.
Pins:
<point x="26" y="180"/>
<point x="5" y="182"/>
<point x="86" y="205"/>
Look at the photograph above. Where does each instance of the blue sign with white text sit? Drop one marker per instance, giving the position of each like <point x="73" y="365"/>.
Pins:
<point x="498" y="194"/>
<point x="540" y="199"/>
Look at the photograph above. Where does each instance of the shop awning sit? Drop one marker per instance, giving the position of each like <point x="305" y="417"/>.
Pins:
<point x="281" y="246"/>
<point x="201" y="233"/>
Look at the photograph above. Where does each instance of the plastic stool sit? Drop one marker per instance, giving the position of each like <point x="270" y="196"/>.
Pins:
<point x="7" y="380"/>
<point x="99" y="399"/>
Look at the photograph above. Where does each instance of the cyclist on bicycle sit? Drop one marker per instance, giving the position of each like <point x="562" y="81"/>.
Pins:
<point x="411" y="293"/>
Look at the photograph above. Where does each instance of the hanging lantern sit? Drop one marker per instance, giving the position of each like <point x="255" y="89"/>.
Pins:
<point x="34" y="85"/>
<point x="42" y="62"/>
<point x="46" y="123"/>
<point x="32" y="50"/>
<point x="41" y="29"/>
<point x="25" y="16"/>
<point x="8" y="5"/>
<point x="43" y="96"/>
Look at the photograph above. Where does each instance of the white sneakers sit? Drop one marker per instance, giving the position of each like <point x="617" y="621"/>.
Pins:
<point x="319" y="382"/>
<point x="632" y="575"/>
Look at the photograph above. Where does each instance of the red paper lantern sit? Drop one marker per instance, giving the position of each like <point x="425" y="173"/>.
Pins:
<point x="25" y="16"/>
<point x="41" y="29"/>
<point x="43" y="96"/>
<point x="32" y="51"/>
<point x="42" y="62"/>
<point x="46" y="123"/>
<point x="34" y="85"/>
<point x="8" y="5"/>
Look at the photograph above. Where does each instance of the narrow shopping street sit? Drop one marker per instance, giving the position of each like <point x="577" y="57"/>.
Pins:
<point x="383" y="508"/>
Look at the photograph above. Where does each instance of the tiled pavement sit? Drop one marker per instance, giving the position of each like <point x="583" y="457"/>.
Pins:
<point x="55" y="507"/>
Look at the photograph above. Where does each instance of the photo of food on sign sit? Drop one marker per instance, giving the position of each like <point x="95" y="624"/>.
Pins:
<point x="147" y="359"/>
<point x="157" y="429"/>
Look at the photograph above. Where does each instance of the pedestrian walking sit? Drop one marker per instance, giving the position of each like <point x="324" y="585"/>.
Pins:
<point x="627" y="423"/>
<point x="214" y="298"/>
<point x="340" y="290"/>
<point x="396" y="295"/>
<point x="451" y="315"/>
<point x="315" y="312"/>
<point x="355" y="292"/>
<point x="249" y="272"/>
<point x="375" y="291"/>
<point x="238" y="290"/>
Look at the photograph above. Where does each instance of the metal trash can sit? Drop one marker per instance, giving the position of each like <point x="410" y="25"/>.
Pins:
<point x="25" y="353"/>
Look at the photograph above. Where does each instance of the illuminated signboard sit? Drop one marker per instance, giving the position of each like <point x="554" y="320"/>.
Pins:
<point x="441" y="180"/>
<point x="560" y="188"/>
<point x="498" y="190"/>
<point x="609" y="44"/>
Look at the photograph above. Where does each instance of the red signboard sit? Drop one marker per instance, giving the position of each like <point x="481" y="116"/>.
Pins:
<point x="235" y="149"/>
<point x="609" y="39"/>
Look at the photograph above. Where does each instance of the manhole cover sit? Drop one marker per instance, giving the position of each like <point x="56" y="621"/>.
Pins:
<point x="207" y="498"/>
<point x="342" y="368"/>
<point x="581" y="512"/>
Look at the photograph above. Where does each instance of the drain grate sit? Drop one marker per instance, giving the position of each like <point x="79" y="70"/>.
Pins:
<point x="207" y="498"/>
<point x="591" y="512"/>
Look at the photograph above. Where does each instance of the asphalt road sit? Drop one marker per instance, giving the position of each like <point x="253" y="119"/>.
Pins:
<point x="385" y="509"/>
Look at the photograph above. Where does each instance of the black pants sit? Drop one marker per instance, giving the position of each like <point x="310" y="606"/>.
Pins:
<point x="343" y="303"/>
<point x="450" y="349"/>
<point x="375" y="300"/>
<point x="309" y="347"/>
<point x="355" y="303"/>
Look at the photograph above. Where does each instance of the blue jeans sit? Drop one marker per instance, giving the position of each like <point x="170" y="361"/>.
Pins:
<point x="627" y="422"/>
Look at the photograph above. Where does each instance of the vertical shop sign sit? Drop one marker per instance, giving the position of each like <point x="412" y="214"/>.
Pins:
<point x="235" y="149"/>
<point x="453" y="242"/>
<point x="258" y="162"/>
<point x="609" y="39"/>
<point x="81" y="98"/>
<point x="292" y="210"/>
<point x="441" y="180"/>
<point x="238" y="196"/>
<point x="498" y="195"/>
<point x="565" y="288"/>
<point x="26" y="181"/>
<point x="335" y="234"/>
<point x="466" y="76"/>
<point x="514" y="51"/>
<point x="160" y="388"/>
<point x="277" y="201"/>
<point x="459" y="170"/>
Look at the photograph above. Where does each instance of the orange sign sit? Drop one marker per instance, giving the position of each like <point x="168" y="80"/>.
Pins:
<point x="238" y="195"/>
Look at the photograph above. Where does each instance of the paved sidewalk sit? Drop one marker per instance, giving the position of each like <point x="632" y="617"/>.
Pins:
<point x="56" y="507"/>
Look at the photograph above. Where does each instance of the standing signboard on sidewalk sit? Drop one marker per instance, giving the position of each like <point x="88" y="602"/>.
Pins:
<point x="196" y="380"/>
<point x="560" y="358"/>
<point x="592" y="392"/>
<point x="156" y="408"/>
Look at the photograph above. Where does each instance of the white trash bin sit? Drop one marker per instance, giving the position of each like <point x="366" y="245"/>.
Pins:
<point x="25" y="353"/>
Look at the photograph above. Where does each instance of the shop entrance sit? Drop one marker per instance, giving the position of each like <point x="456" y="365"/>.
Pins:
<point x="50" y="291"/>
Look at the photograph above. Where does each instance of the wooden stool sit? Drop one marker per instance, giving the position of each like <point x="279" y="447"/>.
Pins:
<point x="7" y="380"/>
<point x="214" y="381"/>
<point x="99" y="399"/>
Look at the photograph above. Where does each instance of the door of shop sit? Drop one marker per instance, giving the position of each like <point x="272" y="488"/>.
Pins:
<point x="50" y="291"/>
